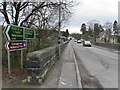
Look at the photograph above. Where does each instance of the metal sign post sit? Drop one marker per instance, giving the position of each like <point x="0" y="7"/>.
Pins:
<point x="21" y="59"/>
<point x="17" y="45"/>
<point x="9" y="73"/>
<point x="16" y="40"/>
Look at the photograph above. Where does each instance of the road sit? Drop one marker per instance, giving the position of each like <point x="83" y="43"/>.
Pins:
<point x="100" y="63"/>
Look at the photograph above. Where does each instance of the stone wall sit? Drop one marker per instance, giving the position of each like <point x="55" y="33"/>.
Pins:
<point x="39" y="62"/>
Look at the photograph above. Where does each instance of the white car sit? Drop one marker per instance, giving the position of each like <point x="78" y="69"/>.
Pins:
<point x="87" y="43"/>
<point x="78" y="41"/>
<point x="75" y="40"/>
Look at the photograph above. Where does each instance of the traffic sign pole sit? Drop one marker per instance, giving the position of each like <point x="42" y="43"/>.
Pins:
<point x="15" y="36"/>
<point x="21" y="59"/>
<point x="9" y="73"/>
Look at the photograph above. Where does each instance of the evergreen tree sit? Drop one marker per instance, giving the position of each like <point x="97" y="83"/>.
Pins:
<point x="115" y="27"/>
<point x="83" y="28"/>
<point x="65" y="33"/>
<point x="101" y="28"/>
<point x="96" y="29"/>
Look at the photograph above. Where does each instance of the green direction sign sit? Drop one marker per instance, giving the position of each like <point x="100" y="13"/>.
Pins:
<point x="14" y="32"/>
<point x="29" y="33"/>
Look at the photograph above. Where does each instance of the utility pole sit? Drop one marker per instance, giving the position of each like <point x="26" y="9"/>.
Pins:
<point x="59" y="17"/>
<point x="59" y="24"/>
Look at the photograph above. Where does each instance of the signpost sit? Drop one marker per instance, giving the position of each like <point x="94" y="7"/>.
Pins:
<point x="13" y="32"/>
<point x="15" y="40"/>
<point x="16" y="45"/>
<point x="29" y="33"/>
<point x="9" y="64"/>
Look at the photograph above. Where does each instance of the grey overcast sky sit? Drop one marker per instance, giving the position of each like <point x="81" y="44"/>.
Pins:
<point x="88" y="10"/>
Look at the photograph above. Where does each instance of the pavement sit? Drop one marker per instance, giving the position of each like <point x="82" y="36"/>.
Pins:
<point x="63" y="74"/>
<point x="69" y="74"/>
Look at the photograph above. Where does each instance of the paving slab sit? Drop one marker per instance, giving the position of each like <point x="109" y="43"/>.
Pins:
<point x="68" y="76"/>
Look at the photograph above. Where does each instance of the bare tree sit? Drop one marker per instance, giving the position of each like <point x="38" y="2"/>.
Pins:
<point x="42" y="14"/>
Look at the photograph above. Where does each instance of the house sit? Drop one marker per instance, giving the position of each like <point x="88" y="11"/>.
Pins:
<point x="103" y="38"/>
<point x="113" y="39"/>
